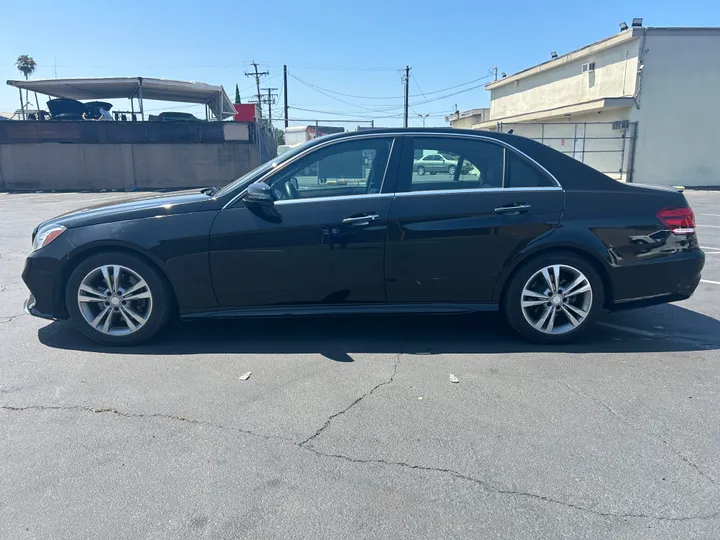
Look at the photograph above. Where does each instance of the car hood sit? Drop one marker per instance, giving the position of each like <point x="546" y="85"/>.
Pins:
<point x="180" y="202"/>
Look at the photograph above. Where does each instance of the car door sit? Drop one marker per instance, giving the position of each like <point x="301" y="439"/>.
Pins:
<point x="319" y="243"/>
<point x="448" y="241"/>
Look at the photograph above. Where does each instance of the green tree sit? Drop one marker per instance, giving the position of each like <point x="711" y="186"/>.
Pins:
<point x="279" y="136"/>
<point x="27" y="66"/>
<point x="237" y="94"/>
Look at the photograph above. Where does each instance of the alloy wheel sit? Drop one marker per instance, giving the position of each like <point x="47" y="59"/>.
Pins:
<point x="421" y="170"/>
<point x="115" y="300"/>
<point x="556" y="299"/>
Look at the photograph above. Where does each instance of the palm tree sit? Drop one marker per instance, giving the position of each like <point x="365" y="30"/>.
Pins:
<point x="27" y="66"/>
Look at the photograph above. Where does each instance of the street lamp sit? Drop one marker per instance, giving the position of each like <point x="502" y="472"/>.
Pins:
<point x="423" y="116"/>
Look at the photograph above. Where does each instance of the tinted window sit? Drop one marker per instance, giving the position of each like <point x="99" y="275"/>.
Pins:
<point x="345" y="168"/>
<point x="459" y="164"/>
<point x="522" y="173"/>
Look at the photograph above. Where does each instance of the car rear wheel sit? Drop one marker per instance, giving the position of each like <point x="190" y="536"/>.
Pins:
<point x="116" y="298"/>
<point x="421" y="170"/>
<point x="554" y="298"/>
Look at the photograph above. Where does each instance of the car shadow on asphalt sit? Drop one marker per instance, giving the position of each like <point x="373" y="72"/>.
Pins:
<point x="335" y="337"/>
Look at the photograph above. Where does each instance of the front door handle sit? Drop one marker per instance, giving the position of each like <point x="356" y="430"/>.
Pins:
<point x="512" y="209"/>
<point x="360" y="221"/>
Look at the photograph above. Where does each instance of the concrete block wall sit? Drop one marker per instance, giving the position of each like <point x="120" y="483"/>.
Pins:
<point x="59" y="166"/>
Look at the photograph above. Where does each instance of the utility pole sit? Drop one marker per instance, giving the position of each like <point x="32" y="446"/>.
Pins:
<point x="257" y="76"/>
<point x="269" y="99"/>
<point x="285" y="95"/>
<point x="406" y="79"/>
<point x="494" y="70"/>
<point x="423" y="117"/>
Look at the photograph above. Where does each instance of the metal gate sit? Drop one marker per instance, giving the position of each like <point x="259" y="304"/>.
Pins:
<point x="608" y="147"/>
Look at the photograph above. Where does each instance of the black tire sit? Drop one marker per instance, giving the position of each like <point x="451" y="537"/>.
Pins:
<point x="163" y="300"/>
<point x="451" y="170"/>
<point x="421" y="170"/>
<point x="513" y="295"/>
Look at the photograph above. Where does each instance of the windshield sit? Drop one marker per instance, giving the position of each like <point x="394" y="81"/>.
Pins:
<point x="262" y="169"/>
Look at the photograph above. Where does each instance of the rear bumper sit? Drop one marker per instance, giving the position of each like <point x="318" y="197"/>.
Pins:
<point x="657" y="282"/>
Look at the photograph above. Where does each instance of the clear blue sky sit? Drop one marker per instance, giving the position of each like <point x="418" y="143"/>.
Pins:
<point x="354" y="47"/>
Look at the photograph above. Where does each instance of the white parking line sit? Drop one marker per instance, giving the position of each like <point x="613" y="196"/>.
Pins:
<point x="709" y="281"/>
<point x="715" y="215"/>
<point x="711" y="226"/>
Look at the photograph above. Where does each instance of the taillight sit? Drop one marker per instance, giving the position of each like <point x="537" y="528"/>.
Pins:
<point x="677" y="220"/>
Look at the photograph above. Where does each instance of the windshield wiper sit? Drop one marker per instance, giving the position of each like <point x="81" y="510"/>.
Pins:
<point x="210" y="191"/>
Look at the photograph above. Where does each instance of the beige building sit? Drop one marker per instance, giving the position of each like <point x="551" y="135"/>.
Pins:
<point x="641" y="105"/>
<point x="468" y="119"/>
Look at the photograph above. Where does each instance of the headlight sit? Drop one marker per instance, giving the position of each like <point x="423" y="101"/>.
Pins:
<point x="47" y="234"/>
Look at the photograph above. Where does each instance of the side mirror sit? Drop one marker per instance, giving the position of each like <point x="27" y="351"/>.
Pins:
<point x="294" y="182"/>
<point x="259" y="195"/>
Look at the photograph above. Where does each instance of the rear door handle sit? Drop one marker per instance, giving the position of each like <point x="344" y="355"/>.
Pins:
<point x="512" y="209"/>
<point x="359" y="221"/>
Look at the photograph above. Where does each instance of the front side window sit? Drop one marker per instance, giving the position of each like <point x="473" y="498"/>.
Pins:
<point x="344" y="168"/>
<point x="457" y="163"/>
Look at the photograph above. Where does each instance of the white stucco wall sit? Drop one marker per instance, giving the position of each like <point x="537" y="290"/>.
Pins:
<point x="679" y="114"/>
<point x="565" y="84"/>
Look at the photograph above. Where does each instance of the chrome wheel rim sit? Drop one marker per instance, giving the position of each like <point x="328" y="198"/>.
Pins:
<point x="451" y="170"/>
<point x="115" y="300"/>
<point x="556" y="299"/>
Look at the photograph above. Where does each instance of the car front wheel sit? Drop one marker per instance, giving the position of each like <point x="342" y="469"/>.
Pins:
<point x="421" y="170"/>
<point x="116" y="298"/>
<point x="554" y="298"/>
<point x="451" y="170"/>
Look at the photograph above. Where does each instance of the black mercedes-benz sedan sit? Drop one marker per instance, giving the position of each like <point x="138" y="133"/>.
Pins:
<point x="345" y="224"/>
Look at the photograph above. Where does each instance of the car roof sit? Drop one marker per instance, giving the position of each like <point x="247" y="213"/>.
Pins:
<point x="571" y="173"/>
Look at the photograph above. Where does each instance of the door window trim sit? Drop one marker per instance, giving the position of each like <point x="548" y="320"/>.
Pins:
<point x="284" y="202"/>
<point x="393" y="140"/>
<point x="476" y="191"/>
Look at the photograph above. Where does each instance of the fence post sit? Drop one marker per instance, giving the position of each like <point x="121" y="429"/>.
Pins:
<point x="631" y="159"/>
<point x="622" y="153"/>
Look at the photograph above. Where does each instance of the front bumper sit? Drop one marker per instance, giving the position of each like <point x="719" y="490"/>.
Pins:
<point x="43" y="276"/>
<point x="30" y="309"/>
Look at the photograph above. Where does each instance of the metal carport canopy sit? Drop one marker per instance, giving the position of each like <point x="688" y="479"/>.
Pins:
<point x="131" y="87"/>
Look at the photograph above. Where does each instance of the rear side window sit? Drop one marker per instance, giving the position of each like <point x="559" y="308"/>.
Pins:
<point x="454" y="163"/>
<point x="523" y="174"/>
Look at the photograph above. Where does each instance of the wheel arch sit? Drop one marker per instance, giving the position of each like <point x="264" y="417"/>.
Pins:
<point x="87" y="251"/>
<point x="592" y="257"/>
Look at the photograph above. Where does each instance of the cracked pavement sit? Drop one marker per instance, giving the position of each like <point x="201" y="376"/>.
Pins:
<point x="349" y="428"/>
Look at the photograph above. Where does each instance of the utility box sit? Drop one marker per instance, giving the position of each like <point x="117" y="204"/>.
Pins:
<point x="245" y="112"/>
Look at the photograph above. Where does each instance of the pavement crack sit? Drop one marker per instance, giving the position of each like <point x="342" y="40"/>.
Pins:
<point x="625" y="421"/>
<point x="358" y="400"/>
<point x="112" y="410"/>
<point x="510" y="492"/>
<point x="9" y="318"/>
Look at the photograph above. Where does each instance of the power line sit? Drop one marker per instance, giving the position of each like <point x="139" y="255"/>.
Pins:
<point x="317" y="89"/>
<point x="422" y="94"/>
<point x="418" y="85"/>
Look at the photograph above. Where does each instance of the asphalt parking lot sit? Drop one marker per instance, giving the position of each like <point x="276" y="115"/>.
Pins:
<point x="349" y="428"/>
